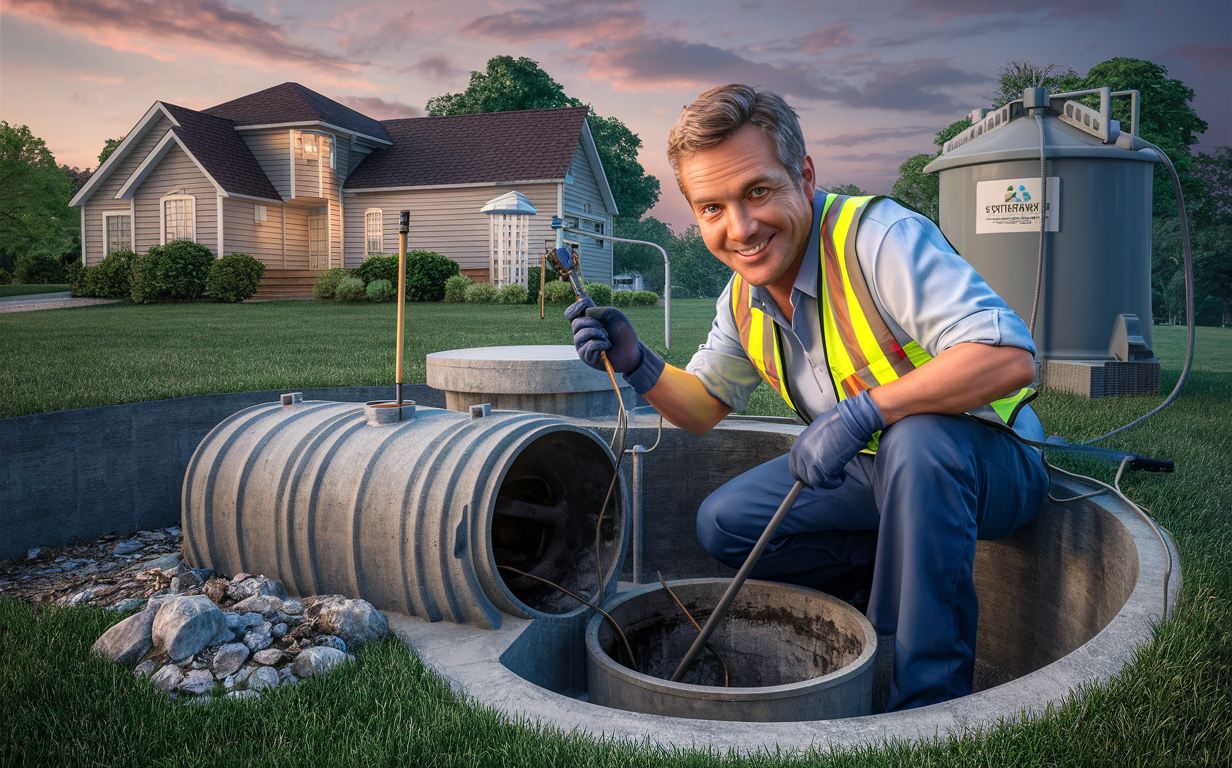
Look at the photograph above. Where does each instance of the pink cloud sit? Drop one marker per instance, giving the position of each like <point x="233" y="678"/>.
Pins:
<point x="378" y="108"/>
<point x="1204" y="57"/>
<point x="822" y="39"/>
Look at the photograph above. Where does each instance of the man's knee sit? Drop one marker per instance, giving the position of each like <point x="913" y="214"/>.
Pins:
<point x="928" y="443"/>
<point x="718" y="523"/>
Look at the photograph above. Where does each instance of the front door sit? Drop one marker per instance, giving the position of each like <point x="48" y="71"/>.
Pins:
<point x="318" y="243"/>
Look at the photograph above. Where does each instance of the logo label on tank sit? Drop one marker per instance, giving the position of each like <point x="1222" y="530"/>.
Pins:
<point x="1013" y="205"/>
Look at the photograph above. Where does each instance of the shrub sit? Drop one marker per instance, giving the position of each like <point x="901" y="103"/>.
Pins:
<point x="511" y="294"/>
<point x="532" y="282"/>
<point x="558" y="292"/>
<point x="232" y="278"/>
<point x="78" y="279"/>
<point x="645" y="298"/>
<point x="327" y="283"/>
<point x="378" y="268"/>
<point x="426" y="273"/>
<point x="599" y="293"/>
<point x="171" y="272"/>
<point x="482" y="293"/>
<point x="622" y="298"/>
<point x="38" y="268"/>
<point x="6" y="278"/>
<point x="380" y="290"/>
<point x="455" y="288"/>
<point x="350" y="289"/>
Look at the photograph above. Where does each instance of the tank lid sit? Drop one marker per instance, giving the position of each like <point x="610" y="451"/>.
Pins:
<point x="1019" y="140"/>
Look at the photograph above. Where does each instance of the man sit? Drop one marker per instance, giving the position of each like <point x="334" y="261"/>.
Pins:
<point x="868" y="324"/>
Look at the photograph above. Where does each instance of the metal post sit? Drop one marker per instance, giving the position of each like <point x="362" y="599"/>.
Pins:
<point x="404" y="226"/>
<point x="637" y="452"/>
<point x="667" y="274"/>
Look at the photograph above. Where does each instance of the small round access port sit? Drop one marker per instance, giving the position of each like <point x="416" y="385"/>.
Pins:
<point x="786" y="653"/>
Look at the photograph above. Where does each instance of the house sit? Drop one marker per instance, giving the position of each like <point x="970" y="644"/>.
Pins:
<point x="305" y="184"/>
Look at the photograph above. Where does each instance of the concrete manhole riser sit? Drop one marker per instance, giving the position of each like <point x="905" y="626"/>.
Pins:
<point x="1065" y="600"/>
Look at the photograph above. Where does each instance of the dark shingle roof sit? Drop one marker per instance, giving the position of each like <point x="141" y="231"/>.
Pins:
<point x="293" y="103"/>
<point x="466" y="149"/>
<point x="222" y="152"/>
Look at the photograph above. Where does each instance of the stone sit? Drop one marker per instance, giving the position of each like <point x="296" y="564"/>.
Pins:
<point x="197" y="681"/>
<point x="157" y="600"/>
<point x="129" y="641"/>
<point x="259" y="638"/>
<point x="185" y="663"/>
<point x="278" y="630"/>
<point x="36" y="553"/>
<point x="330" y="641"/>
<point x="199" y="663"/>
<point x="167" y="677"/>
<point x="172" y="530"/>
<point x="239" y="589"/>
<point x="242" y="676"/>
<point x="284" y="672"/>
<point x="128" y="604"/>
<point x="246" y="623"/>
<point x="357" y="622"/>
<point x="292" y="607"/>
<point x="263" y="677"/>
<point x="147" y="668"/>
<point x="215" y="589"/>
<point x="317" y="661"/>
<point x="244" y="694"/>
<point x="266" y="605"/>
<point x="164" y="563"/>
<point x="126" y="547"/>
<point x="289" y="680"/>
<point x="185" y="625"/>
<point x="269" y="657"/>
<point x="229" y="658"/>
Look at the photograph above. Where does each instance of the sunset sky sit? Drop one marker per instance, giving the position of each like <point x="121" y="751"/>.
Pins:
<point x="872" y="80"/>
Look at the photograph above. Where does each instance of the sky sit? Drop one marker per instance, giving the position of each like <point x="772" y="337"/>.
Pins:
<point x="872" y="81"/>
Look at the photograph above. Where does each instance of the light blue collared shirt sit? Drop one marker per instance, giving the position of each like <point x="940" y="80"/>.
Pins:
<point x="919" y="285"/>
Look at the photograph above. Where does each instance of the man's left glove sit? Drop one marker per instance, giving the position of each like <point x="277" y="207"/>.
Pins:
<point x="823" y="449"/>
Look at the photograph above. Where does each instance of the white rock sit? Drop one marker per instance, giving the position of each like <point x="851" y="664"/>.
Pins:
<point x="229" y="658"/>
<point x="197" y="681"/>
<point x="147" y="668"/>
<point x="129" y="641"/>
<point x="263" y="677"/>
<point x="292" y="607"/>
<point x="259" y="638"/>
<point x="317" y="661"/>
<point x="266" y="605"/>
<point x="242" y="676"/>
<point x="269" y="657"/>
<point x="129" y="604"/>
<point x="185" y="625"/>
<point x="168" y="677"/>
<point x="357" y="622"/>
<point x="240" y="589"/>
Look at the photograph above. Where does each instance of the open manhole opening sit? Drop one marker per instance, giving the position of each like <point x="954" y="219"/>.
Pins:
<point x="766" y="639"/>
<point x="545" y="517"/>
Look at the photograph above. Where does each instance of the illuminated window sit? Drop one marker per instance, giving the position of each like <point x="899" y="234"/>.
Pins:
<point x="372" y="230"/>
<point x="119" y="232"/>
<point x="179" y="218"/>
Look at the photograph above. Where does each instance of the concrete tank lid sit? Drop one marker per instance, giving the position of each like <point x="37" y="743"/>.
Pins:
<point x="516" y="370"/>
<point x="1019" y="140"/>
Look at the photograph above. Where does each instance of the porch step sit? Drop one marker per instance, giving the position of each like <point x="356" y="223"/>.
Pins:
<point x="286" y="284"/>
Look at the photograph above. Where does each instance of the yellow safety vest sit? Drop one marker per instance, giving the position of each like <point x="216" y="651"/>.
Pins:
<point x="861" y="352"/>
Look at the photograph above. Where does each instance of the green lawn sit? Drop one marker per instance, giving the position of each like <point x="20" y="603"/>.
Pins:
<point x="24" y="290"/>
<point x="1172" y="706"/>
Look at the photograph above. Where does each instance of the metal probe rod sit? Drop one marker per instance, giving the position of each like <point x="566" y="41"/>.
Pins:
<point x="404" y="226"/>
<point x="721" y="609"/>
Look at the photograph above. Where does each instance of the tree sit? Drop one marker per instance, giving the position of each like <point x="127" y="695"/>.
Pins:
<point x="34" y="197"/>
<point x="922" y="191"/>
<point x="850" y="190"/>
<point x="1166" y="120"/>
<point x="696" y="273"/>
<point x="642" y="259"/>
<point x="109" y="146"/>
<point x="1215" y="172"/>
<point x="1017" y="76"/>
<point x="508" y="84"/>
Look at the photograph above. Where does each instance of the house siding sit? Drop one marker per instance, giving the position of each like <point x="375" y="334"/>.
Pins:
<point x="244" y="234"/>
<point x="103" y="198"/>
<point x="176" y="171"/>
<point x="447" y="221"/>
<point x="297" y="237"/>
<point x="596" y="254"/>
<point x="94" y="227"/>
<point x="332" y="181"/>
<point x="314" y="180"/>
<point x="272" y="150"/>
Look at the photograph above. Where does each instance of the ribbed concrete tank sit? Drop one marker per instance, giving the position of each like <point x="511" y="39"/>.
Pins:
<point x="413" y="515"/>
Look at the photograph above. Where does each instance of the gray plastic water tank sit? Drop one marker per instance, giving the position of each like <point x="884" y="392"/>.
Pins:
<point x="1097" y="263"/>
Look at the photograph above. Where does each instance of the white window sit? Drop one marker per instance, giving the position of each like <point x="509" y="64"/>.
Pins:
<point x="118" y="232"/>
<point x="179" y="218"/>
<point x="373" y="230"/>
<point x="315" y="147"/>
<point x="327" y="149"/>
<point x="258" y="212"/>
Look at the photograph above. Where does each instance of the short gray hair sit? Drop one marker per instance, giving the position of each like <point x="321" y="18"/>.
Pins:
<point x="721" y="111"/>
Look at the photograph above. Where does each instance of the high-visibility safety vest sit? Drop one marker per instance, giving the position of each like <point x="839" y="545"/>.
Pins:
<point x="861" y="352"/>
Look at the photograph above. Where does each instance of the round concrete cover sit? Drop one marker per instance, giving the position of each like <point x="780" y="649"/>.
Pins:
<point x="520" y="370"/>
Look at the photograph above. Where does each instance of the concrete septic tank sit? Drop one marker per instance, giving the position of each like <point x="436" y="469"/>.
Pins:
<point x="414" y="516"/>
<point x="542" y="378"/>
<point x="781" y="653"/>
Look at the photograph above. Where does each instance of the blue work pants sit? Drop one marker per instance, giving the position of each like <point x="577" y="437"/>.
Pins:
<point x="912" y="514"/>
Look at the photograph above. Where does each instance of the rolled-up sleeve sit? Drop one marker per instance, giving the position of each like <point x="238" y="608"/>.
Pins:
<point x="928" y="290"/>
<point x="721" y="363"/>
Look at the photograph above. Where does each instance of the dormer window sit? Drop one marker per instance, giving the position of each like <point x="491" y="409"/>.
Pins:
<point x="315" y="147"/>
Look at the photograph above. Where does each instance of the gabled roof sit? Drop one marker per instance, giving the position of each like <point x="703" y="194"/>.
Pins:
<point x="293" y="103"/>
<point x="494" y="147"/>
<point x="221" y="152"/>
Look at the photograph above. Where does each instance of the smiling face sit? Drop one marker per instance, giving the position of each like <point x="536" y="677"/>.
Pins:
<point x="753" y="214"/>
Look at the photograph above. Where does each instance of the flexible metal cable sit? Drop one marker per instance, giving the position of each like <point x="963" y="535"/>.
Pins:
<point x="1039" y="268"/>
<point x="621" y="432"/>
<point x="1189" y="295"/>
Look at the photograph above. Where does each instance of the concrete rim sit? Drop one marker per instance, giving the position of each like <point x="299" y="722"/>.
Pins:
<point x="706" y="692"/>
